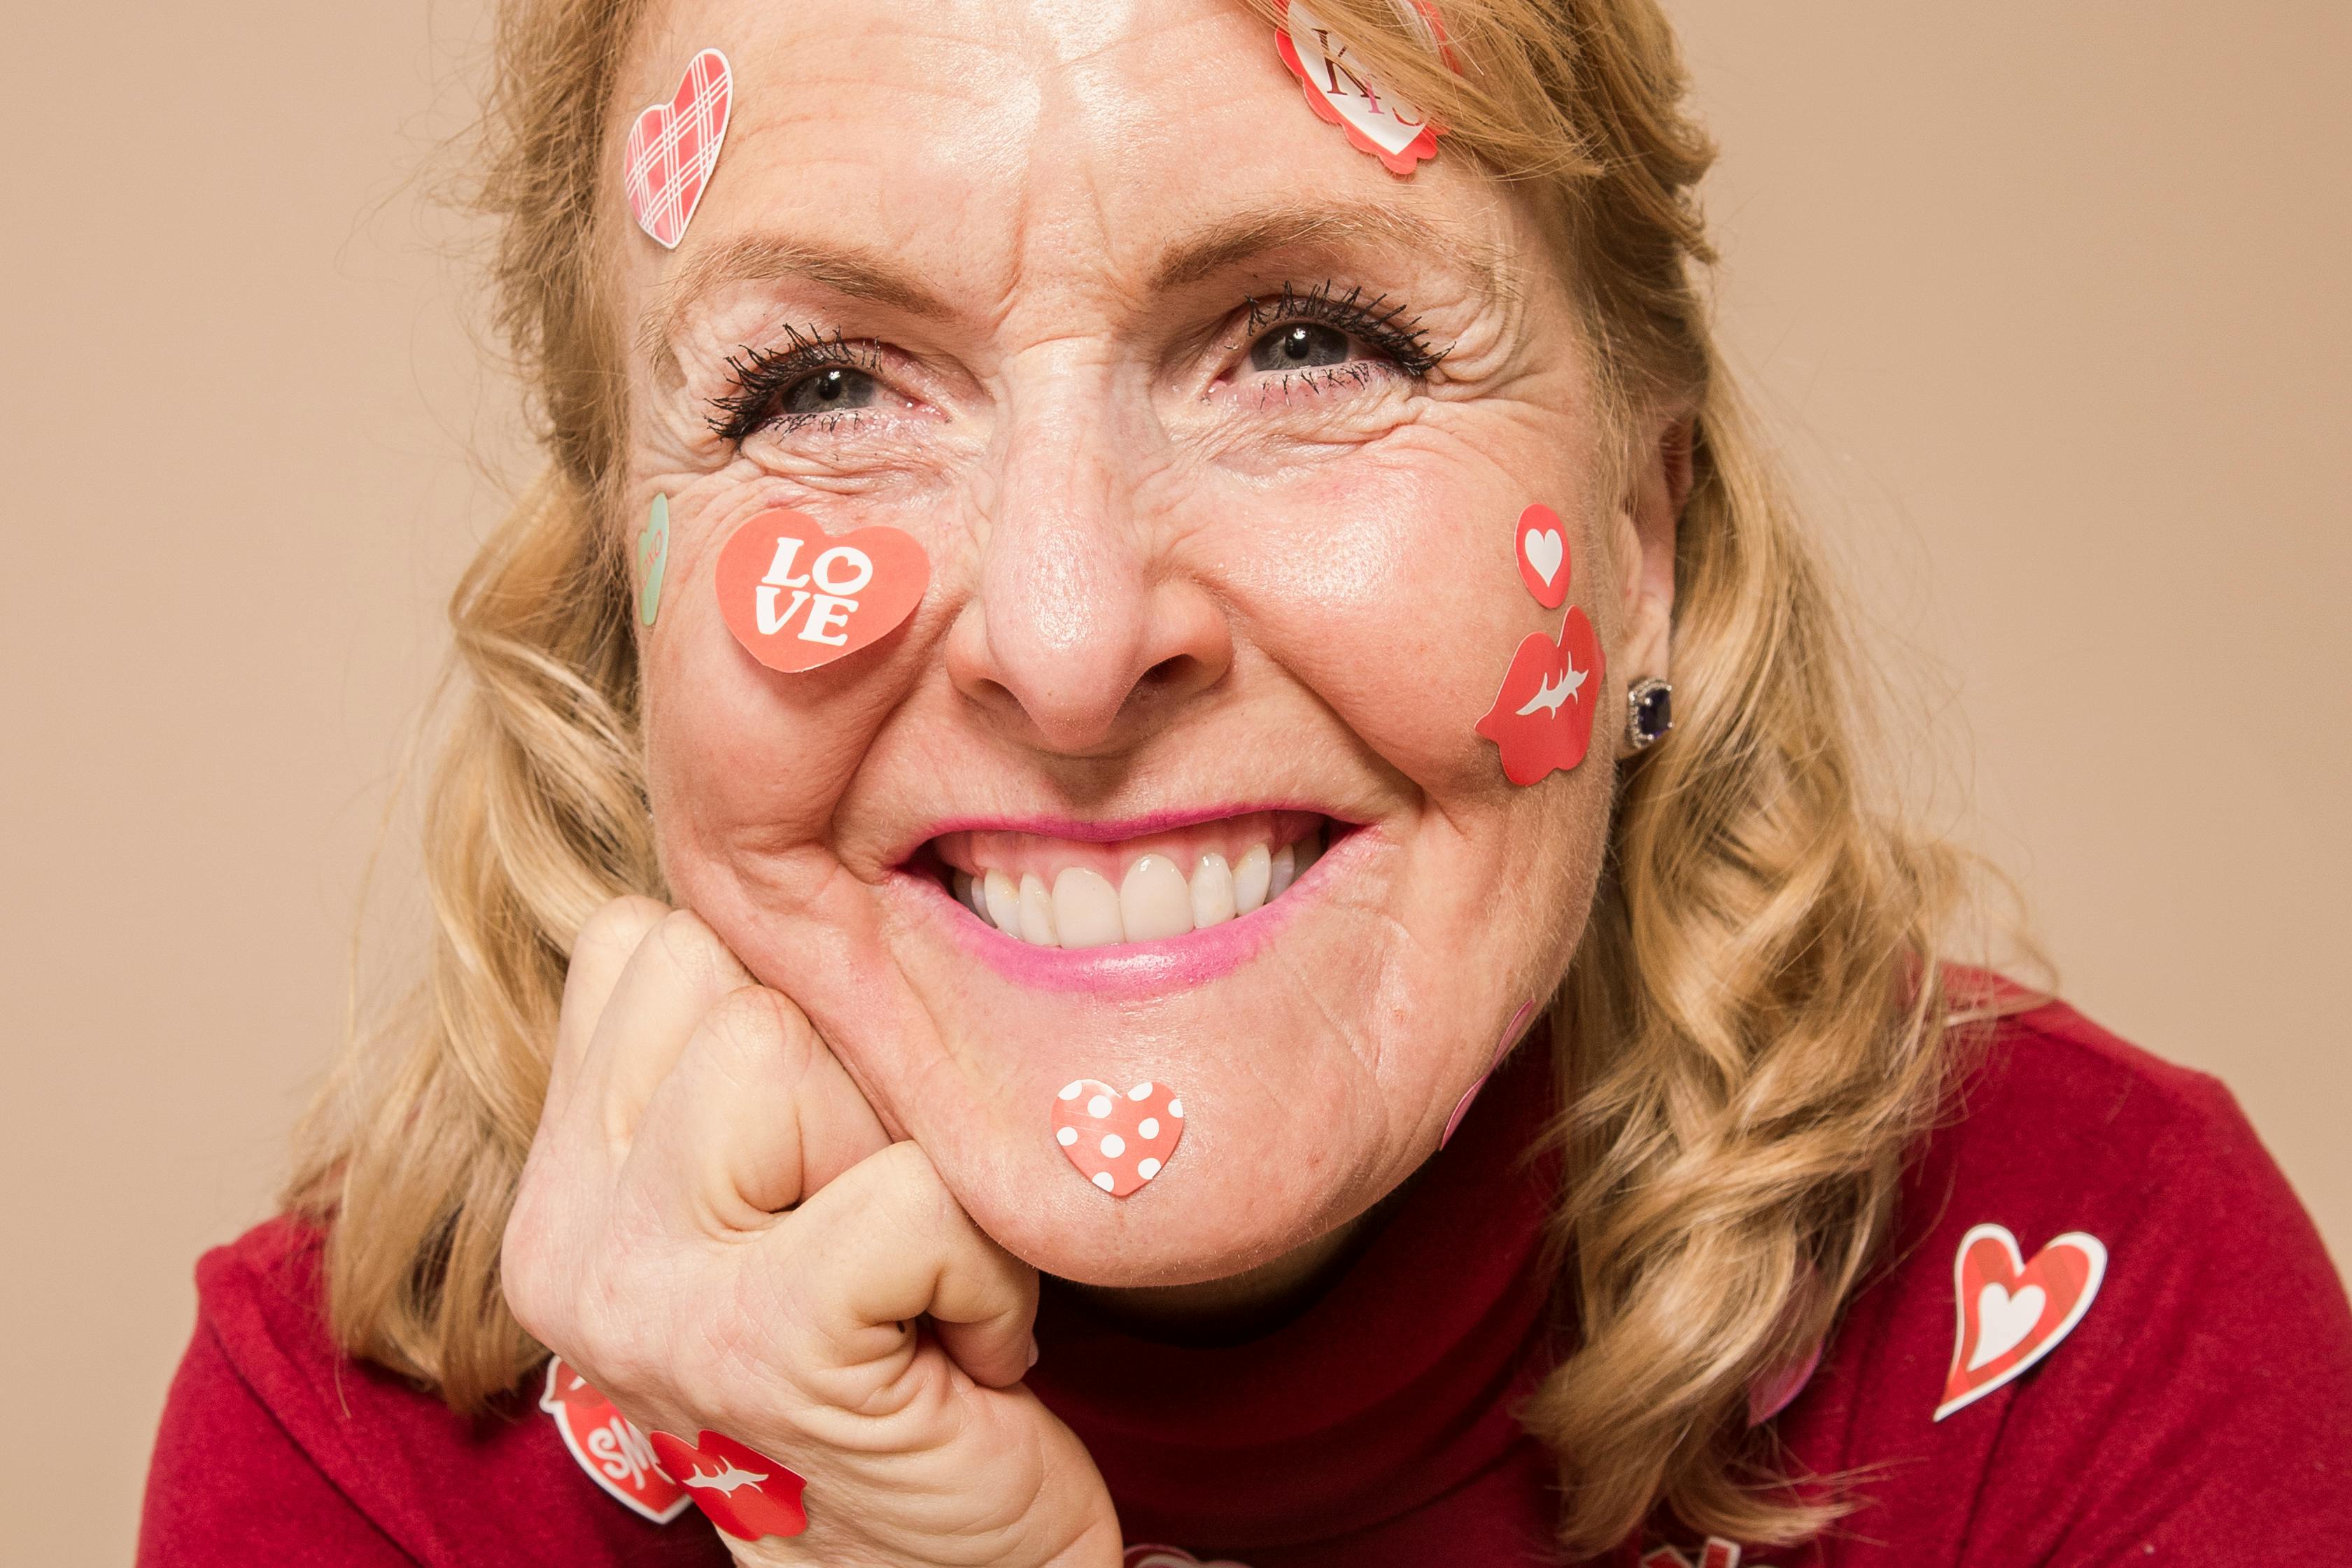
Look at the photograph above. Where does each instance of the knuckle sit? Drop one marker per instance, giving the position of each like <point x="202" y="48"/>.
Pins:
<point x="616" y="929"/>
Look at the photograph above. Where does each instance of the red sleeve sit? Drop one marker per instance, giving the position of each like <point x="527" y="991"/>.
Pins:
<point x="229" y="1489"/>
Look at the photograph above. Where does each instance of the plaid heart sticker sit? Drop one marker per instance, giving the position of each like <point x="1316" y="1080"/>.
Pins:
<point x="674" y="146"/>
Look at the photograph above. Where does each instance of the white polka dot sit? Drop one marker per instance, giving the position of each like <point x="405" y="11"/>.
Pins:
<point x="1102" y="1180"/>
<point x="1140" y="1092"/>
<point x="1067" y="1137"/>
<point x="1149" y="1127"/>
<point x="1176" y="1109"/>
<point x="1147" y="1169"/>
<point x="1113" y="1145"/>
<point x="1098" y="1106"/>
<point x="1071" y="1092"/>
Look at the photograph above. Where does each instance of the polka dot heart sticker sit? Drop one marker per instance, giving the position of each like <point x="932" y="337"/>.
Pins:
<point x="1118" y="1142"/>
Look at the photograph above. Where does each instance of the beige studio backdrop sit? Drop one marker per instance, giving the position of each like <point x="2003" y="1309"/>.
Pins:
<point x="2048" y="300"/>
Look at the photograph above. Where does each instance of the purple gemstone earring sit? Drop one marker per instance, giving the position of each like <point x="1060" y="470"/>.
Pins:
<point x="1649" y="712"/>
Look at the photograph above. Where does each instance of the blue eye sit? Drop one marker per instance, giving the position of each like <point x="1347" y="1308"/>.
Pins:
<point x="1301" y="345"/>
<point x="828" y="392"/>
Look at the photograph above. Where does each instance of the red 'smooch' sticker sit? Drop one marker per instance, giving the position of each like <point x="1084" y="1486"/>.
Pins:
<point x="1118" y="1142"/>
<point x="616" y="1455"/>
<point x="1716" y="1554"/>
<point x="1375" y="120"/>
<point x="673" y="147"/>
<point x="796" y="598"/>
<point x="740" y="1489"/>
<point x="2012" y="1312"/>
<point x="1543" y="556"/>
<point x="1542" y="719"/>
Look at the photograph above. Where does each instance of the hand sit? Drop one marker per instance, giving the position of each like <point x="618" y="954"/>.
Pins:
<point x="714" y="1230"/>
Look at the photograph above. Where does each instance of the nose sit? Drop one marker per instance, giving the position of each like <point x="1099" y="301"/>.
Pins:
<point x="1084" y="635"/>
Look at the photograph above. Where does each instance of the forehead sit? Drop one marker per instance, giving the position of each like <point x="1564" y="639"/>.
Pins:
<point x="993" y="143"/>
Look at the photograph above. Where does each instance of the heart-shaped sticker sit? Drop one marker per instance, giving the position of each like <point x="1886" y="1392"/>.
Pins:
<point x="739" y="1489"/>
<point x="1375" y="120"/>
<point x="1543" y="556"/>
<point x="2012" y="1312"/>
<point x="653" y="560"/>
<point x="617" y="1456"/>
<point x="796" y="597"/>
<point x="1542" y="719"/>
<point x="1118" y="1141"/>
<point x="673" y="147"/>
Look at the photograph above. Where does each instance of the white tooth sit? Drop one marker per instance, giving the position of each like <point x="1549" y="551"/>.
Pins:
<point x="1213" y="890"/>
<point x="1086" y="908"/>
<point x="1285" y="869"/>
<point x="961" y="882"/>
<point x="1153" y="901"/>
<point x="1250" y="879"/>
<point x="1001" y="894"/>
<point x="1036" y="913"/>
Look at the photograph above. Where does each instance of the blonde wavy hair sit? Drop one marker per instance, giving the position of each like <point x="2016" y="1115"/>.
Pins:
<point x="1752" y="1035"/>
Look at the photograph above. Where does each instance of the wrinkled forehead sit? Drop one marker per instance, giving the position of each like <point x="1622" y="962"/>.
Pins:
<point x="994" y="148"/>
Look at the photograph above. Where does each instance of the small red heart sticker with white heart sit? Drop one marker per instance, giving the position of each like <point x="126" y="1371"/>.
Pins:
<point x="615" y="1454"/>
<point x="673" y="147"/>
<point x="1543" y="556"/>
<point x="1118" y="1141"/>
<point x="2012" y="1312"/>
<point x="796" y="597"/>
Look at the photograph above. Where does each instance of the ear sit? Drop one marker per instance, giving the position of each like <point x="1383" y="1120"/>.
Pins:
<point x="1648" y="520"/>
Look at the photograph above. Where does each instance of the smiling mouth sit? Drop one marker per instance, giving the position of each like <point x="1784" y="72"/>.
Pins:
<point x="1052" y="892"/>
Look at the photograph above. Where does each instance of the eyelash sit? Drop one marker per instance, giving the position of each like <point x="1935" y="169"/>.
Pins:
<point x="762" y="375"/>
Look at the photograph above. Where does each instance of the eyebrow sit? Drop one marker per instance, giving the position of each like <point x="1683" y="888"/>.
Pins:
<point x="1231" y="242"/>
<point x="850" y="270"/>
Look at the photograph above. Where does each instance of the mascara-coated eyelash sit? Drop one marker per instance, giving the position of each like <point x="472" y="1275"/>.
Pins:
<point x="760" y="376"/>
<point x="1384" y="326"/>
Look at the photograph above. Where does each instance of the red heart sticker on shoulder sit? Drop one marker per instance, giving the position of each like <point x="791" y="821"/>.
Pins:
<point x="738" y="1488"/>
<point x="796" y="597"/>
<point x="1542" y="719"/>
<point x="2012" y="1312"/>
<point x="1118" y="1142"/>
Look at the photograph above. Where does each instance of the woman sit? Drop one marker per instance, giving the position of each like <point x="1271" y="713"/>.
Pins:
<point x="1072" y="914"/>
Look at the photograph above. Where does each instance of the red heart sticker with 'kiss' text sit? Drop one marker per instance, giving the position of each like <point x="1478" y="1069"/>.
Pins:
<point x="797" y="598"/>
<point x="2012" y="1312"/>
<point x="1542" y="719"/>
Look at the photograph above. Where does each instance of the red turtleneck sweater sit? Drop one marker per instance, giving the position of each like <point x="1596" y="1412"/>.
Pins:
<point x="2195" y="1408"/>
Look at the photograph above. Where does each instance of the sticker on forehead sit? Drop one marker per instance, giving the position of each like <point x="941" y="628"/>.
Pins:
<point x="797" y="598"/>
<point x="1375" y="121"/>
<point x="674" y="146"/>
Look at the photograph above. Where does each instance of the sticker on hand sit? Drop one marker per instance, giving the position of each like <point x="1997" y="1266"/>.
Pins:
<point x="738" y="1488"/>
<point x="2012" y="1312"/>
<point x="1375" y="121"/>
<point x="796" y="598"/>
<point x="1542" y="719"/>
<point x="1118" y="1142"/>
<point x="615" y="1454"/>
<point x="673" y="147"/>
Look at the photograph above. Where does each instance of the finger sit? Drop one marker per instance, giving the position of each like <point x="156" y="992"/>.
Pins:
<point x="887" y="1242"/>
<point x="756" y="1115"/>
<point x="676" y="976"/>
<point x="599" y="954"/>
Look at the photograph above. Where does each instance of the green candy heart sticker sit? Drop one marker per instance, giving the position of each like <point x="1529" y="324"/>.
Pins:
<point x="653" y="555"/>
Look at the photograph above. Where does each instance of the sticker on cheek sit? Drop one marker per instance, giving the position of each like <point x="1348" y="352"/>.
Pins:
<point x="797" y="598"/>
<point x="673" y="147"/>
<point x="1543" y="556"/>
<point x="1542" y="719"/>
<point x="738" y="1488"/>
<point x="1118" y="1142"/>
<point x="653" y="560"/>
<point x="1375" y="121"/>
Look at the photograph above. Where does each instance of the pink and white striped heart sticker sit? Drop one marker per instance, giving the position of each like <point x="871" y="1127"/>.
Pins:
<point x="674" y="146"/>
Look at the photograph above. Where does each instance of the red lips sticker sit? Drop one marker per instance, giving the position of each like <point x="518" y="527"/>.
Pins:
<point x="673" y="147"/>
<point x="796" y="597"/>
<point x="1543" y="556"/>
<point x="2012" y="1312"/>
<point x="738" y="1488"/>
<point x="1542" y="719"/>
<point x="1118" y="1141"/>
<point x="617" y="1456"/>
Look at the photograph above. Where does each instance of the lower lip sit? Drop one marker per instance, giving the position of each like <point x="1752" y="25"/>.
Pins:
<point x="1130" y="971"/>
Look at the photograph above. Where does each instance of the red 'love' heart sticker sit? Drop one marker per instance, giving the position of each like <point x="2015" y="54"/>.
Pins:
<point x="1543" y="556"/>
<point x="617" y="1456"/>
<point x="1118" y="1142"/>
<point x="1375" y="121"/>
<point x="673" y="147"/>
<point x="738" y="1488"/>
<point x="796" y="598"/>
<point x="2012" y="1312"/>
<point x="1542" y="719"/>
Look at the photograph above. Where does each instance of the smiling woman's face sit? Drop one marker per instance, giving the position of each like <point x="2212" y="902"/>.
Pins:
<point x="1215" y="433"/>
